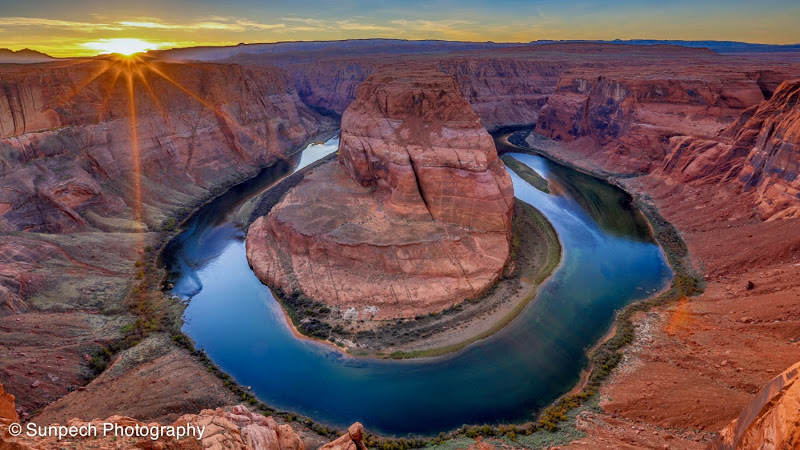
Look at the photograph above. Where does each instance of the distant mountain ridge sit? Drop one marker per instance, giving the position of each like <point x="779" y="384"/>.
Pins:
<point x="290" y="49"/>
<point x="717" y="46"/>
<point x="352" y="46"/>
<point x="24" y="56"/>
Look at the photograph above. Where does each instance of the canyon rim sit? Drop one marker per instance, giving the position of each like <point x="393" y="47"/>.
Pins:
<point x="422" y="200"/>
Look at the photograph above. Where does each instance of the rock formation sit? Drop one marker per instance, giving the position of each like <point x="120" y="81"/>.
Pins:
<point x="771" y="420"/>
<point x="758" y="152"/>
<point x="70" y="140"/>
<point x="630" y="113"/>
<point x="237" y="428"/>
<point x="352" y="440"/>
<point x="71" y="215"/>
<point x="8" y="412"/>
<point x="414" y="217"/>
<point x="71" y="135"/>
<point x="502" y="91"/>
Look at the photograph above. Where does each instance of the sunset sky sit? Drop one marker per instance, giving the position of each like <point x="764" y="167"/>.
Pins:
<point x="83" y="27"/>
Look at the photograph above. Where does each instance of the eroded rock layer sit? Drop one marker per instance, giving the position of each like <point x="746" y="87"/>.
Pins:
<point x="215" y="429"/>
<point x="759" y="152"/>
<point x="771" y="420"/>
<point x="414" y="217"/>
<point x="631" y="113"/>
<point x="96" y="157"/>
<point x="75" y="136"/>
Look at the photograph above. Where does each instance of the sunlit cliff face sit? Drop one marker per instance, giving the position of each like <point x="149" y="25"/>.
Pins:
<point x="133" y="74"/>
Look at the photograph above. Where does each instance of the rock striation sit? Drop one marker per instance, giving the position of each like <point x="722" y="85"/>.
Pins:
<point x="74" y="216"/>
<point x="629" y="114"/>
<point x="503" y="91"/>
<point x="74" y="135"/>
<point x="414" y="217"/>
<point x="771" y="420"/>
<point x="759" y="153"/>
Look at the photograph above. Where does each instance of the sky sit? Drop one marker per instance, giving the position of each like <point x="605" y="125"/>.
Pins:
<point x="90" y="27"/>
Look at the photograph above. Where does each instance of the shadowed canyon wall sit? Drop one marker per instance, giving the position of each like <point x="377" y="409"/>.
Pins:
<point x="71" y="135"/>
<point x="96" y="156"/>
<point x="759" y="151"/>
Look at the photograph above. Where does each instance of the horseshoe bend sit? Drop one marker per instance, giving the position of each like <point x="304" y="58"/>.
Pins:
<point x="388" y="243"/>
<point x="414" y="217"/>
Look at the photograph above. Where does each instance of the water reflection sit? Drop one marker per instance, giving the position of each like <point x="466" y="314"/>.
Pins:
<point x="606" y="265"/>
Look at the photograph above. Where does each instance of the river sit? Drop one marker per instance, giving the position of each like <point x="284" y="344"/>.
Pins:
<point x="609" y="260"/>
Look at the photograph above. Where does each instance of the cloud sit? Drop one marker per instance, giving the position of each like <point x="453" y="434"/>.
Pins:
<point x="447" y="28"/>
<point x="54" y="23"/>
<point x="233" y="24"/>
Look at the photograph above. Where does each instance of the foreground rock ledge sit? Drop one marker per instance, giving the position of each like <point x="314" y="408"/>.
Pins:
<point x="771" y="420"/>
<point x="414" y="217"/>
<point x="233" y="428"/>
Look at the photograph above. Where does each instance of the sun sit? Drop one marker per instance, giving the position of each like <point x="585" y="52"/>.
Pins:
<point x="122" y="46"/>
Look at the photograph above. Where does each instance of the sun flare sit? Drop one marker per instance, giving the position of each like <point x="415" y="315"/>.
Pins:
<point x="122" y="46"/>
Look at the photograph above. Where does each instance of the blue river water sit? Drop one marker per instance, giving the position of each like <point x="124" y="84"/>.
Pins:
<point x="608" y="262"/>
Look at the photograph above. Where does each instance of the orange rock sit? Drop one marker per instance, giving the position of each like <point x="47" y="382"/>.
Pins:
<point x="415" y="218"/>
<point x="759" y="151"/>
<point x="418" y="141"/>
<point x="8" y="411"/>
<point x="771" y="420"/>
<point x="67" y="133"/>
<point x="352" y="440"/>
<point x="631" y="113"/>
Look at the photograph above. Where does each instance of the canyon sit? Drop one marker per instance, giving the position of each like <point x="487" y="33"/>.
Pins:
<point x="708" y="139"/>
<point x="99" y="158"/>
<point x="414" y="217"/>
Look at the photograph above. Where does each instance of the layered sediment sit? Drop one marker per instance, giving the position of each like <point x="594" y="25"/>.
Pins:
<point x="233" y="428"/>
<point x="74" y="137"/>
<point x="414" y="217"/>
<point x="758" y="152"/>
<point x="771" y="420"/>
<point x="98" y="157"/>
<point x="627" y="115"/>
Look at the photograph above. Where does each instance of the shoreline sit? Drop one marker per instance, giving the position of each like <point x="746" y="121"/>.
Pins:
<point x="604" y="356"/>
<point x="584" y="380"/>
<point x="449" y="341"/>
<point x="528" y="298"/>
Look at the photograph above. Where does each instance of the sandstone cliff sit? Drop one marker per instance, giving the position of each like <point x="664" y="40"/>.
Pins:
<point x="116" y="146"/>
<point x="74" y="215"/>
<point x="74" y="137"/>
<point x="236" y="428"/>
<point x="771" y="420"/>
<point x="502" y="91"/>
<point x="505" y="91"/>
<point x="758" y="153"/>
<point x="415" y="216"/>
<point x="631" y="113"/>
